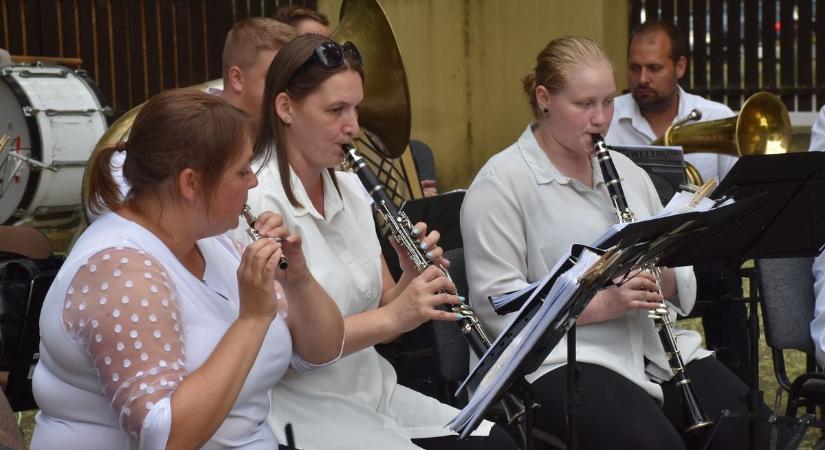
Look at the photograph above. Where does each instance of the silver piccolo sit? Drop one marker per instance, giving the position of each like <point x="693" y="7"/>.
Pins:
<point x="250" y="219"/>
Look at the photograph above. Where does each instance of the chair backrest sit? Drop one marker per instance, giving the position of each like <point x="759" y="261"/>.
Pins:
<point x="423" y="159"/>
<point x="787" y="290"/>
<point x="452" y="350"/>
<point x="27" y="269"/>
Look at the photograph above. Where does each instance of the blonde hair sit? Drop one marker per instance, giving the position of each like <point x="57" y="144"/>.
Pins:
<point x="250" y="36"/>
<point x="557" y="62"/>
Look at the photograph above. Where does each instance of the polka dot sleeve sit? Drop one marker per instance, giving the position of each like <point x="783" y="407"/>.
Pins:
<point x="122" y="308"/>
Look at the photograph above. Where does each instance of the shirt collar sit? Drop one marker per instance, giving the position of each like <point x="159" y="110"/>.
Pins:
<point x="332" y="199"/>
<point x="542" y="168"/>
<point x="634" y="115"/>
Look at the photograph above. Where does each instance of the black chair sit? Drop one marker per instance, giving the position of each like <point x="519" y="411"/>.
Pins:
<point x="27" y="269"/>
<point x="423" y="158"/>
<point x="787" y="296"/>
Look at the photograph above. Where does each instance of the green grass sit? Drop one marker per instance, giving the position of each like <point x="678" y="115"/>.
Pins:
<point x="794" y="364"/>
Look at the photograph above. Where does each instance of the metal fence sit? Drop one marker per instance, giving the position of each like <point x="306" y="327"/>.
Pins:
<point x="132" y="48"/>
<point x="740" y="47"/>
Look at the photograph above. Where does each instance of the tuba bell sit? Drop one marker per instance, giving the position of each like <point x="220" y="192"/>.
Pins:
<point x="761" y="128"/>
<point x="384" y="114"/>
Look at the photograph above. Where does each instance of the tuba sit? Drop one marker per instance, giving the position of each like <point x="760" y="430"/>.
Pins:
<point x="384" y="115"/>
<point x="761" y="128"/>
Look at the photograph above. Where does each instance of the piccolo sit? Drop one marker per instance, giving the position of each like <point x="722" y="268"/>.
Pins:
<point x="255" y="235"/>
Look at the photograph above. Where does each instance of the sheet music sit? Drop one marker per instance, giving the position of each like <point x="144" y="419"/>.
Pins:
<point x="562" y="291"/>
<point x="501" y="301"/>
<point x="679" y="204"/>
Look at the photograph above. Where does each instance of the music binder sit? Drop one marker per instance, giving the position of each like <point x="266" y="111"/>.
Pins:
<point x="538" y="342"/>
<point x="657" y="241"/>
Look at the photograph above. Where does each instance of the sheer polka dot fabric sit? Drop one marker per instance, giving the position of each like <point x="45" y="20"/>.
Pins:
<point x="121" y="305"/>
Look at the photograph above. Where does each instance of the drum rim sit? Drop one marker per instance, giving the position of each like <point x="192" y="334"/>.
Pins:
<point x="35" y="140"/>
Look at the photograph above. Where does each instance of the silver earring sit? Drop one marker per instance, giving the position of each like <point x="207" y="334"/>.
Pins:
<point x="286" y="119"/>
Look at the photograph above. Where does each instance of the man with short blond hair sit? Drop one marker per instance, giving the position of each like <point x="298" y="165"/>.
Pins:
<point x="249" y="49"/>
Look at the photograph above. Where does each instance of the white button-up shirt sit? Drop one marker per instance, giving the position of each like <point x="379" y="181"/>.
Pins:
<point x="628" y="127"/>
<point x="818" y="133"/>
<point x="521" y="215"/>
<point x="818" y="323"/>
<point x="356" y="402"/>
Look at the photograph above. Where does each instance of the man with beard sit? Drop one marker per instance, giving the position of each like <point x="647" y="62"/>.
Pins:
<point x="655" y="63"/>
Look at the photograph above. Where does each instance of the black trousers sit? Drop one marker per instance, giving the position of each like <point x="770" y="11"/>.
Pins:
<point x="497" y="440"/>
<point x="617" y="414"/>
<point x="723" y="318"/>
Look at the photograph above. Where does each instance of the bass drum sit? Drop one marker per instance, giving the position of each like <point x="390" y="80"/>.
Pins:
<point x="54" y="117"/>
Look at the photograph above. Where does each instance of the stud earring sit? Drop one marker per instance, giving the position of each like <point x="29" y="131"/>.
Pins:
<point x="546" y="110"/>
<point x="286" y="119"/>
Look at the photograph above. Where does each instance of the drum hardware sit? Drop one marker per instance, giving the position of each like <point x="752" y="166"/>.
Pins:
<point x="56" y="115"/>
<point x="29" y="111"/>
<point x="21" y="160"/>
<point x="62" y="73"/>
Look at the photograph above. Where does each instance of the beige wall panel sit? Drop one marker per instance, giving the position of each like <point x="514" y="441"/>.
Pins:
<point x="465" y="60"/>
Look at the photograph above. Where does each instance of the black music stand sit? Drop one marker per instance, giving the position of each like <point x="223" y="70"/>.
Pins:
<point x="790" y="223"/>
<point x="756" y="219"/>
<point x="664" y="165"/>
<point x="619" y="260"/>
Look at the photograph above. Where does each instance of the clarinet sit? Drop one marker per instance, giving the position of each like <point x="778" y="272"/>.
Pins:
<point x="695" y="416"/>
<point x="401" y="228"/>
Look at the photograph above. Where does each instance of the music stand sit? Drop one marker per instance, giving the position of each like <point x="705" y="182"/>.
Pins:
<point x="664" y="165"/>
<point x="663" y="241"/>
<point x="791" y="189"/>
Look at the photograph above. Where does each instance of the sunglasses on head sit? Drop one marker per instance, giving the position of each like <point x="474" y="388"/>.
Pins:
<point x="331" y="55"/>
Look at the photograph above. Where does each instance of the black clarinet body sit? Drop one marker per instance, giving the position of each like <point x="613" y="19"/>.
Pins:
<point x="695" y="416"/>
<point x="401" y="228"/>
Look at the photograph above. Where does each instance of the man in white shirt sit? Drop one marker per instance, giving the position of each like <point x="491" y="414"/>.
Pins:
<point x="248" y="51"/>
<point x="656" y="63"/>
<point x="818" y="133"/>
<point x="818" y="324"/>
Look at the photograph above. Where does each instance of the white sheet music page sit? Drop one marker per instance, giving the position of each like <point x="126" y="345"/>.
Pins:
<point x="562" y="291"/>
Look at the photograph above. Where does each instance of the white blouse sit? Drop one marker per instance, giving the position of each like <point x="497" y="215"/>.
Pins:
<point x="123" y="323"/>
<point x="521" y="214"/>
<point x="355" y="403"/>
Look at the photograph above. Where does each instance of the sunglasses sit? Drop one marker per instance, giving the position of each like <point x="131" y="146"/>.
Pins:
<point x="331" y="55"/>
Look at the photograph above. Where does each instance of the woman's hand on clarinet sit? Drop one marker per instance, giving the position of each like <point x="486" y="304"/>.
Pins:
<point x="420" y="301"/>
<point x="638" y="291"/>
<point x="271" y="225"/>
<point x="427" y="243"/>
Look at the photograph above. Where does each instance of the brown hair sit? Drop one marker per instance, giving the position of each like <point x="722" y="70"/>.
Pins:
<point x="174" y="130"/>
<point x="292" y="14"/>
<point x="289" y="74"/>
<point x="557" y="62"/>
<point x="678" y="48"/>
<point x="251" y="35"/>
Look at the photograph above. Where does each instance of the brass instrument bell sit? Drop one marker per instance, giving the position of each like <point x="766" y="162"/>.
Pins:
<point x="761" y="128"/>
